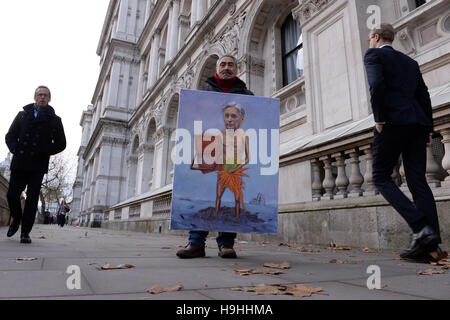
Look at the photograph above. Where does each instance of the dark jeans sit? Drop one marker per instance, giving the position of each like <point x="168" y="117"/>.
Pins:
<point x="18" y="181"/>
<point x="223" y="239"/>
<point x="410" y="142"/>
<point x="61" y="220"/>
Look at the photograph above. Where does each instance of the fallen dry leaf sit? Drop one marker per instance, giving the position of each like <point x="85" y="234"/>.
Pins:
<point x="247" y="272"/>
<point x="158" y="289"/>
<point x="283" y="265"/>
<point x="344" y="261"/>
<point x="42" y="237"/>
<point x="111" y="267"/>
<point x="260" y="289"/>
<point x="301" y="290"/>
<point x="429" y="272"/>
<point x="368" y="250"/>
<point x="309" y="250"/>
<point x="273" y="272"/>
<point x="26" y="259"/>
<point x="283" y="244"/>
<point x="340" y="248"/>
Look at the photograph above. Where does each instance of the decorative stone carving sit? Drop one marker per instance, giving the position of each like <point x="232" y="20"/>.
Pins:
<point x="307" y="9"/>
<point x="229" y="39"/>
<point x="405" y="39"/>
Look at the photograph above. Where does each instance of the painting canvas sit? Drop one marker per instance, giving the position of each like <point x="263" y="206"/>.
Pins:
<point x="226" y="159"/>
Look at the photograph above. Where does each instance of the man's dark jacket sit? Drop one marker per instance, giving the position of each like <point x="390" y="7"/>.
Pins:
<point x="33" y="140"/>
<point x="238" y="88"/>
<point x="399" y="95"/>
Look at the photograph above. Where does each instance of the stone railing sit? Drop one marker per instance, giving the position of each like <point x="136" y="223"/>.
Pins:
<point x="162" y="205"/>
<point x="342" y="167"/>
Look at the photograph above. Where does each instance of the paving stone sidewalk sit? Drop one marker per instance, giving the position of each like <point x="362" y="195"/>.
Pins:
<point x="342" y="274"/>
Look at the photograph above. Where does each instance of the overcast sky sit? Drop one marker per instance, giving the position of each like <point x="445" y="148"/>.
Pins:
<point x="52" y="43"/>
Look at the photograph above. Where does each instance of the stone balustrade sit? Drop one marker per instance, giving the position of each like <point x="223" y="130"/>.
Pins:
<point x="347" y="172"/>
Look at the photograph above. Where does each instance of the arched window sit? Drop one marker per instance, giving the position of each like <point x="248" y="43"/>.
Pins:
<point x="292" y="49"/>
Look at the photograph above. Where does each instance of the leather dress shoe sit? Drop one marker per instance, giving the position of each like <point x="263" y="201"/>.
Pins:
<point x="25" y="238"/>
<point x="191" y="251"/>
<point x="420" y="243"/>
<point x="227" y="252"/>
<point x="13" y="229"/>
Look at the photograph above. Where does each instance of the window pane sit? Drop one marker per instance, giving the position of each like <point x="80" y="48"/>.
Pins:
<point x="293" y="62"/>
<point x="291" y="32"/>
<point x="293" y="66"/>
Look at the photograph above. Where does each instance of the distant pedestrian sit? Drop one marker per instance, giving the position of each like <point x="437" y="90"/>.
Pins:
<point x="36" y="134"/>
<point x="62" y="211"/>
<point x="47" y="216"/>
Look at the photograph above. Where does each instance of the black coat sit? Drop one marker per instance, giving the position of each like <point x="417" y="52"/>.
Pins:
<point x="33" y="140"/>
<point x="238" y="88"/>
<point x="399" y="95"/>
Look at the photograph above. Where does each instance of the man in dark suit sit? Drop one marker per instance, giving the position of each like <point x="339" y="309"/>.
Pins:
<point x="404" y="125"/>
<point x="36" y="134"/>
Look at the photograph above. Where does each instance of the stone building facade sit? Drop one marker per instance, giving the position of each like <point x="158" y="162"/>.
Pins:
<point x="150" y="49"/>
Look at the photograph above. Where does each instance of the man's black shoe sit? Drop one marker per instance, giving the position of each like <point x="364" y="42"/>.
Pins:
<point x="420" y="243"/>
<point x="25" y="238"/>
<point x="13" y="229"/>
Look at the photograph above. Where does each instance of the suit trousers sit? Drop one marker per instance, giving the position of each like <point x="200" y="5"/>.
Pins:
<point x="20" y="180"/>
<point x="409" y="141"/>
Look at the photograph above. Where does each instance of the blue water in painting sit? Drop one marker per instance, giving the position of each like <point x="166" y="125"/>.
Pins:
<point x="201" y="215"/>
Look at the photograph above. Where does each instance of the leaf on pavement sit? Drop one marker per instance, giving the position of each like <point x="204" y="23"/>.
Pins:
<point x="283" y="244"/>
<point x="300" y="290"/>
<point x="344" y="261"/>
<point x="111" y="267"/>
<point x="368" y="250"/>
<point x="25" y="259"/>
<point x="273" y="272"/>
<point x="283" y="265"/>
<point x="159" y="290"/>
<point x="309" y="250"/>
<point x="247" y="272"/>
<point x="429" y="272"/>
<point x="260" y="289"/>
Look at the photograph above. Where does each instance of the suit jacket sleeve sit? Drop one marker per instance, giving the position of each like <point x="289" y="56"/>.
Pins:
<point x="374" y="70"/>
<point x="13" y="134"/>
<point x="58" y="137"/>
<point x="423" y="97"/>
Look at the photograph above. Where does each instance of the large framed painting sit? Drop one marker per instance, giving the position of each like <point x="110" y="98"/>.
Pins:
<point x="226" y="158"/>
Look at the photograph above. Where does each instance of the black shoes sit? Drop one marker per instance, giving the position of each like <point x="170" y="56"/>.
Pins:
<point x="227" y="252"/>
<point x="13" y="229"/>
<point x="25" y="238"/>
<point x="421" y="243"/>
<point x="191" y="251"/>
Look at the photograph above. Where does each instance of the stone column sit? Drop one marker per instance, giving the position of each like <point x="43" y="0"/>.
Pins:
<point x="114" y="84"/>
<point x="356" y="178"/>
<point x="123" y="16"/>
<point x="131" y="174"/>
<point x="175" y="29"/>
<point x="446" y="160"/>
<point x="201" y="10"/>
<point x="371" y="190"/>
<point x="194" y="12"/>
<point x="316" y="184"/>
<point x="432" y="169"/>
<point x="184" y="24"/>
<point x="148" y="10"/>
<point x="328" y="183"/>
<point x="141" y="82"/>
<point x="153" y="68"/>
<point x="341" y="179"/>
<point x="169" y="34"/>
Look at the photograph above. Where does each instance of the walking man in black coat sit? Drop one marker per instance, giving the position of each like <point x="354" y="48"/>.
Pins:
<point x="225" y="80"/>
<point x="404" y="126"/>
<point x="36" y="134"/>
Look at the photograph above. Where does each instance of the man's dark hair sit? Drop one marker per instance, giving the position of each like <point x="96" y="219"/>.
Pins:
<point x="43" y="87"/>
<point x="386" y="31"/>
